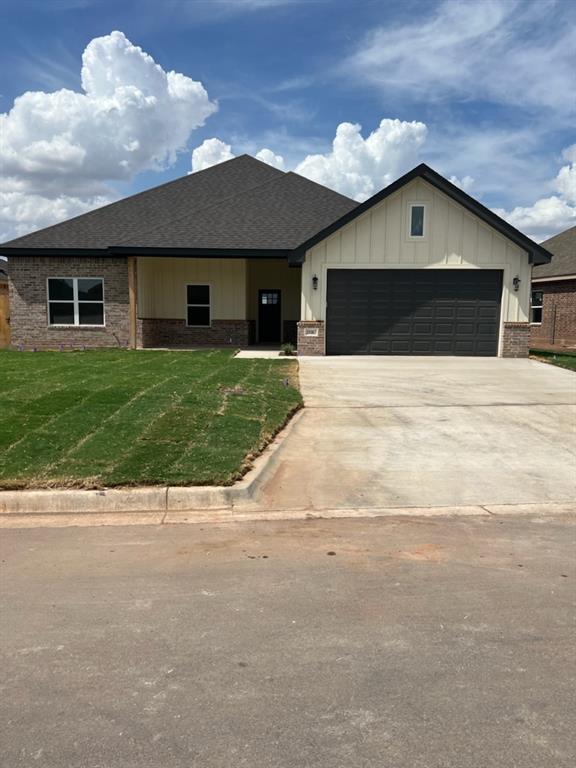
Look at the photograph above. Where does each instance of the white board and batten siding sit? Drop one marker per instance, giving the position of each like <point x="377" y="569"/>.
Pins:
<point x="454" y="238"/>
<point x="162" y="286"/>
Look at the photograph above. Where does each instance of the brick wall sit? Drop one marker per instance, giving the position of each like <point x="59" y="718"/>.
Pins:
<point x="154" y="332"/>
<point x="28" y="302"/>
<point x="558" y="326"/>
<point x="516" y="340"/>
<point x="309" y="344"/>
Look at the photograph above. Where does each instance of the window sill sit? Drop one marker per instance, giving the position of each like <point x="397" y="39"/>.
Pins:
<point x="77" y="327"/>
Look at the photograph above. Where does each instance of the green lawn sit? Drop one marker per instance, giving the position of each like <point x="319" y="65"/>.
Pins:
<point x="562" y="359"/>
<point x="114" y="417"/>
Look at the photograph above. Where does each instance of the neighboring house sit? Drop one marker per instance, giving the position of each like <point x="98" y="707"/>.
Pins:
<point x="243" y="253"/>
<point x="553" y="305"/>
<point x="4" y="305"/>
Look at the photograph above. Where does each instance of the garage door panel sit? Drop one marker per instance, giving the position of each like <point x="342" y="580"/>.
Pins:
<point x="413" y="312"/>
<point x="423" y="329"/>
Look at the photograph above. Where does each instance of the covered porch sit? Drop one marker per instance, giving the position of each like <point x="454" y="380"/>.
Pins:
<point x="191" y="302"/>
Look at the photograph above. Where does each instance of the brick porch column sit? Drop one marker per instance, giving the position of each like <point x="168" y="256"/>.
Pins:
<point x="516" y="340"/>
<point x="311" y="337"/>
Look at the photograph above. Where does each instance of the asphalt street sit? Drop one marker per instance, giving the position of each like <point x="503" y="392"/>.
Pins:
<point x="409" y="643"/>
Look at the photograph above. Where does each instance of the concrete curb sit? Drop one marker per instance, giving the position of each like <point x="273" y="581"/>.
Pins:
<point x="229" y="515"/>
<point x="154" y="499"/>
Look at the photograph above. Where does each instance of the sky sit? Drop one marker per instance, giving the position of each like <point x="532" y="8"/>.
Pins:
<point x="100" y="99"/>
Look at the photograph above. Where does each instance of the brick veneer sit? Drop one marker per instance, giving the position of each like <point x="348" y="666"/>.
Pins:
<point x="311" y="345"/>
<point x="155" y="332"/>
<point x="516" y="340"/>
<point x="28" y="308"/>
<point x="558" y="314"/>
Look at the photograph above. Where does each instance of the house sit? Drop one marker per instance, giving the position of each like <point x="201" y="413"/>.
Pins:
<point x="553" y="304"/>
<point x="244" y="253"/>
<point x="4" y="306"/>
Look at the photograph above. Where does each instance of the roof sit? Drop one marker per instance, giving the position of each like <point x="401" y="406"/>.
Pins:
<point x="241" y="204"/>
<point x="241" y="207"/>
<point x="537" y="253"/>
<point x="563" y="250"/>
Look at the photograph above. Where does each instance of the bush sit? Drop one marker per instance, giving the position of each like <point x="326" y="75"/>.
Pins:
<point x="289" y="350"/>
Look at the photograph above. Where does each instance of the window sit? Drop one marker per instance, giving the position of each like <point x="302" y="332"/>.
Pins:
<point x="75" y="301"/>
<point x="269" y="298"/>
<point x="417" y="220"/>
<point x="198" y="305"/>
<point x="536" y="303"/>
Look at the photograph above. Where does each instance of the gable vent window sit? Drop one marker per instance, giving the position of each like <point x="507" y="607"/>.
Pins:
<point x="536" y="303"/>
<point x="417" y="213"/>
<point x="198" y="305"/>
<point x="75" y="301"/>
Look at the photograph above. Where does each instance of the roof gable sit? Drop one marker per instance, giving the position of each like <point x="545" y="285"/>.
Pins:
<point x="537" y="254"/>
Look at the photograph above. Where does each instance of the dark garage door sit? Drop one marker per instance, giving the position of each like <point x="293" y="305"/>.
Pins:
<point x="413" y="312"/>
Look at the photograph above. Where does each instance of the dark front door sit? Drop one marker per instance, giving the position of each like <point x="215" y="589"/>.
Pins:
<point x="269" y="315"/>
<point x="413" y="311"/>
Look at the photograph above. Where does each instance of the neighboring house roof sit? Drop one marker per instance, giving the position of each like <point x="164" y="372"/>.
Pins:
<point x="563" y="250"/>
<point x="241" y="204"/>
<point x="537" y="254"/>
<point x="240" y="207"/>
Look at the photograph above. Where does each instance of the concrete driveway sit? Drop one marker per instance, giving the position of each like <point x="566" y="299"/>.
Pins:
<point x="391" y="431"/>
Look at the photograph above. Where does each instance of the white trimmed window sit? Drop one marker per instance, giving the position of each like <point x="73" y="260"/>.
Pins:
<point x="198" y="305"/>
<point x="417" y="214"/>
<point x="536" y="303"/>
<point x="75" y="301"/>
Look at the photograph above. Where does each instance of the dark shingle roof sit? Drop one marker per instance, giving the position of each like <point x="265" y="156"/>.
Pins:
<point x="563" y="250"/>
<point x="239" y="204"/>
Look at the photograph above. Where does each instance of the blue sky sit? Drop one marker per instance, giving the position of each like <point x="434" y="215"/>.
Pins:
<point x="483" y="91"/>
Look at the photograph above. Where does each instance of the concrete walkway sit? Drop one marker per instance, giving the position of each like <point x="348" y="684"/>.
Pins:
<point x="385" y="432"/>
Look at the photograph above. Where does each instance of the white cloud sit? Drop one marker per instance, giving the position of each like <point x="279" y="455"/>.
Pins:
<point x="209" y="153"/>
<point x="267" y="156"/>
<point x="22" y="212"/>
<point x="549" y="215"/>
<point x="355" y="166"/>
<point x="359" y="167"/>
<point x="214" y="151"/>
<point x="494" y="50"/>
<point x="566" y="180"/>
<point x="131" y="116"/>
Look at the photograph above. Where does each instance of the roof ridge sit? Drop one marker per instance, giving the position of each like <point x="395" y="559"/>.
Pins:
<point x="211" y="205"/>
<point x="140" y="194"/>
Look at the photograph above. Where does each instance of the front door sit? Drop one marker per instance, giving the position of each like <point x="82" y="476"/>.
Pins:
<point x="269" y="316"/>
